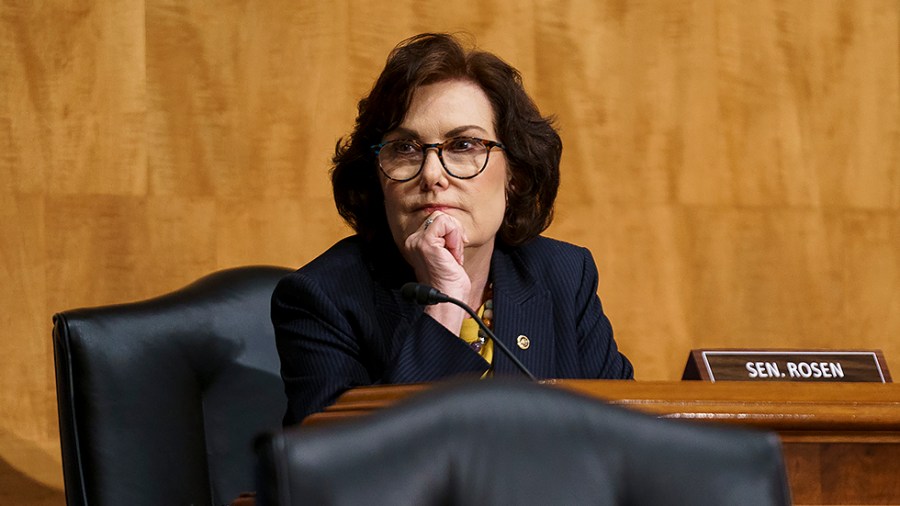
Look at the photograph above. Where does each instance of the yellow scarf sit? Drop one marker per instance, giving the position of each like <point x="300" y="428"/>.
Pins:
<point x="469" y="334"/>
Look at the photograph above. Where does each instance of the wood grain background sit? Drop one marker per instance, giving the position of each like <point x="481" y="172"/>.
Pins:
<point x="734" y="166"/>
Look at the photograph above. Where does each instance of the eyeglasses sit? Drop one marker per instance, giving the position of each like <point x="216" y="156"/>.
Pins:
<point x="462" y="157"/>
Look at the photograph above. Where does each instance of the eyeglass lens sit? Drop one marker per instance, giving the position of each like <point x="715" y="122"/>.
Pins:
<point x="462" y="157"/>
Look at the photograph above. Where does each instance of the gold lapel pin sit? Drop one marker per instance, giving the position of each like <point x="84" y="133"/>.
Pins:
<point x="523" y="342"/>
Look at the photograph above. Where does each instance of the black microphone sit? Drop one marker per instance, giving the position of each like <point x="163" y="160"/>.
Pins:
<point x="423" y="294"/>
<point x="427" y="296"/>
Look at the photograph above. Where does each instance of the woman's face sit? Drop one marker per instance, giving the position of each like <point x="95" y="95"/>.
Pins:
<point x="439" y="112"/>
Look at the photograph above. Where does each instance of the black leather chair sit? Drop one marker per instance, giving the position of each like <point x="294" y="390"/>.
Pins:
<point x="494" y="443"/>
<point x="159" y="400"/>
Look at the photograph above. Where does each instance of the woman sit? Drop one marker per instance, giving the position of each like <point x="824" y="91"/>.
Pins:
<point x="448" y="179"/>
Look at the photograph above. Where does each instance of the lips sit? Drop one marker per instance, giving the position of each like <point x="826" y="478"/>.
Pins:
<point x="431" y="208"/>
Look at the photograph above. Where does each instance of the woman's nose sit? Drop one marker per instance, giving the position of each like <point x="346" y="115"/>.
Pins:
<point x="432" y="170"/>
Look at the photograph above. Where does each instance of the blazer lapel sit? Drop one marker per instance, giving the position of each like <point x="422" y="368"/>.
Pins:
<point x="423" y="351"/>
<point x="522" y="308"/>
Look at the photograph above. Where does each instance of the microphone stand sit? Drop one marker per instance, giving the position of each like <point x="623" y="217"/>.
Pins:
<point x="499" y="344"/>
<point x="427" y="295"/>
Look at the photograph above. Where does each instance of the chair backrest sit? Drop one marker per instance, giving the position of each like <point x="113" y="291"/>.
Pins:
<point x="493" y="443"/>
<point x="159" y="400"/>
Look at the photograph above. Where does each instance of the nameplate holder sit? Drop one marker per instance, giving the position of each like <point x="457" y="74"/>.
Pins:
<point x="843" y="366"/>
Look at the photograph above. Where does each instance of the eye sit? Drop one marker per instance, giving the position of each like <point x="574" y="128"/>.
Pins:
<point x="462" y="144"/>
<point x="405" y="148"/>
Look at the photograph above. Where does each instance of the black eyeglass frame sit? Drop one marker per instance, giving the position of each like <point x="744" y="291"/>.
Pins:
<point x="376" y="148"/>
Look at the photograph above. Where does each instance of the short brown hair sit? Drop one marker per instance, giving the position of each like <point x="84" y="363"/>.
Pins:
<point x="533" y="147"/>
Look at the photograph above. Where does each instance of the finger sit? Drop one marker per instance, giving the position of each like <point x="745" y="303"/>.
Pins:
<point x="455" y="242"/>
<point x="428" y="221"/>
<point x="440" y="234"/>
<point x="435" y="225"/>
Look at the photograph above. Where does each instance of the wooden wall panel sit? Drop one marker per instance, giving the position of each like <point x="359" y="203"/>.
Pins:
<point x="82" y="106"/>
<point x="117" y="248"/>
<point x="247" y="109"/>
<point x="870" y="275"/>
<point x="278" y="231"/>
<point x="733" y="166"/>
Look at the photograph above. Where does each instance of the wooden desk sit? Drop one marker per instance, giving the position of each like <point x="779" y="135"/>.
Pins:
<point x="841" y="440"/>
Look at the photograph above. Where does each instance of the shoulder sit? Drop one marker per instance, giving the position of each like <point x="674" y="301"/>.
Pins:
<point x="541" y="245"/>
<point x="546" y="255"/>
<point x="344" y="264"/>
<point x="345" y="257"/>
<point x="557" y="267"/>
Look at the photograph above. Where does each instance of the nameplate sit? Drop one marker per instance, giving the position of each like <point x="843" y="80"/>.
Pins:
<point x="851" y="366"/>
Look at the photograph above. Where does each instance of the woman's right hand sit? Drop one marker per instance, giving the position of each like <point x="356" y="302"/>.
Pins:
<point x="436" y="253"/>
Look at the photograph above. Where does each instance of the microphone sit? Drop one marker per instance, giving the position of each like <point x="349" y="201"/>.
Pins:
<point x="427" y="296"/>
<point x="424" y="294"/>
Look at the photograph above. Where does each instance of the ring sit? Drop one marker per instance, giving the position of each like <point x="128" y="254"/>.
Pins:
<point x="428" y="221"/>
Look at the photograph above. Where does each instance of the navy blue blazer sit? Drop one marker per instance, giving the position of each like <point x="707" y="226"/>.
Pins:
<point x="341" y="322"/>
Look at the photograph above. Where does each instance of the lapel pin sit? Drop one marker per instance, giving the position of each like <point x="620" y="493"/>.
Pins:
<point x="523" y="342"/>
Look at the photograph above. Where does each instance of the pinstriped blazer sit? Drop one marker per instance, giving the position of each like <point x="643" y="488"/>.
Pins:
<point x="341" y="322"/>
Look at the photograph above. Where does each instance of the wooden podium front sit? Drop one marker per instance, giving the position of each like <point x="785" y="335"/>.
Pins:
<point x="841" y="441"/>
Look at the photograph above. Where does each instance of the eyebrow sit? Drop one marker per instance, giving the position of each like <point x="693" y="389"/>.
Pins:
<point x="405" y="132"/>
